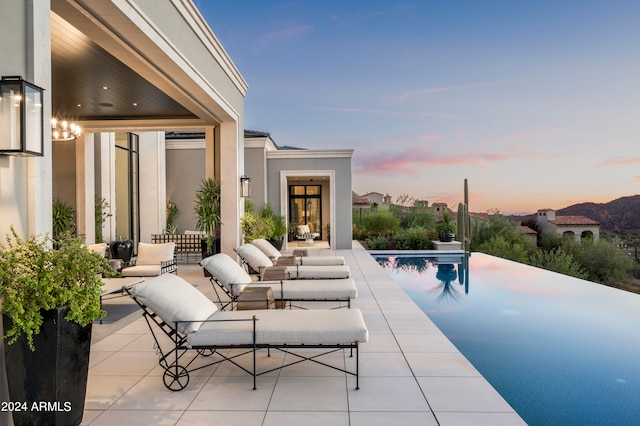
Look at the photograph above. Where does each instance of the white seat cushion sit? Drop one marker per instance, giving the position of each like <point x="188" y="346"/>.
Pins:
<point x="174" y="299"/>
<point x="100" y="248"/>
<point x="154" y="254"/>
<point x="279" y="327"/>
<point x="142" y="271"/>
<point x="227" y="271"/>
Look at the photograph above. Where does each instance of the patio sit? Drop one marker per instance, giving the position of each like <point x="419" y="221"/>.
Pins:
<point x="409" y="373"/>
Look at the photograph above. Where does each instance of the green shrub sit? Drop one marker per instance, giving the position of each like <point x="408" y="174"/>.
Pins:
<point x="379" y="222"/>
<point x="378" y="243"/>
<point x="604" y="262"/>
<point x="413" y="239"/>
<point x="499" y="246"/>
<point x="557" y="260"/>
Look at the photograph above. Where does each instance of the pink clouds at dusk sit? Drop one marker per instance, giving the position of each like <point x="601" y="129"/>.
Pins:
<point x="414" y="159"/>
<point x="534" y="102"/>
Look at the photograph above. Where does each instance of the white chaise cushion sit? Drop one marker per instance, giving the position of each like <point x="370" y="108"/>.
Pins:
<point x="154" y="254"/>
<point x="174" y="299"/>
<point x="279" y="327"/>
<point x="321" y="260"/>
<point x="227" y="271"/>
<point x="318" y="272"/>
<point x="267" y="248"/>
<point x="254" y="257"/>
<point x="311" y="289"/>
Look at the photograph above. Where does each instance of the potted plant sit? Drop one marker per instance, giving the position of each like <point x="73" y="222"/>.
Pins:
<point x="63" y="219"/>
<point x="275" y="225"/>
<point x="50" y="299"/>
<point x="101" y="213"/>
<point x="172" y="212"/>
<point x="207" y="211"/>
<point x="446" y="229"/>
<point x="328" y="228"/>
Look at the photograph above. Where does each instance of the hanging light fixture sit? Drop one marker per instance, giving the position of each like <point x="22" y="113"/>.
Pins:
<point x="62" y="130"/>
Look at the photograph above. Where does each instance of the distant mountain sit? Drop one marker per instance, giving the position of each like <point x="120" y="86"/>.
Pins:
<point x="619" y="216"/>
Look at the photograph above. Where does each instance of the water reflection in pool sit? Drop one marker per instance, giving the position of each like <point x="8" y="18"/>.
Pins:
<point x="560" y="350"/>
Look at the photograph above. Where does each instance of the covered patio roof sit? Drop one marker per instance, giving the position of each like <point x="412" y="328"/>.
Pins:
<point x="122" y="65"/>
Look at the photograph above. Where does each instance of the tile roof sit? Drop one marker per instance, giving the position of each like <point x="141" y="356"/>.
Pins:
<point x="573" y="221"/>
<point x="528" y="231"/>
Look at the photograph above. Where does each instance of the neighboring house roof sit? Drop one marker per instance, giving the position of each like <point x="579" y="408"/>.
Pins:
<point x="528" y="231"/>
<point x="372" y="193"/>
<point x="357" y="200"/>
<point x="481" y="216"/>
<point x="573" y="221"/>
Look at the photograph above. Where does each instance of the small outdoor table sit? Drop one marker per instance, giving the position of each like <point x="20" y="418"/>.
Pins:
<point x="255" y="298"/>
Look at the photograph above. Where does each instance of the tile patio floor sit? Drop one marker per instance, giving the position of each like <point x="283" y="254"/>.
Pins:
<point x="410" y="374"/>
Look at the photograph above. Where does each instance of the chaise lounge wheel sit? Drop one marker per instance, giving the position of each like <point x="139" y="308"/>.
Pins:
<point x="206" y="352"/>
<point x="176" y="378"/>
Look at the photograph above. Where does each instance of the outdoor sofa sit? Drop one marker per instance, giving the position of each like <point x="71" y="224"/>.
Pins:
<point x="176" y="310"/>
<point x="153" y="260"/>
<point x="257" y="261"/>
<point x="231" y="279"/>
<point x="280" y="260"/>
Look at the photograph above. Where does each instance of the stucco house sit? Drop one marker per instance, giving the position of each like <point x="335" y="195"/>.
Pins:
<point x="125" y="75"/>
<point x="310" y="187"/>
<point x="577" y="227"/>
<point x="306" y="186"/>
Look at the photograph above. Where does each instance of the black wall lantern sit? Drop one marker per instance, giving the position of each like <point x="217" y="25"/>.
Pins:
<point x="245" y="186"/>
<point x="21" y="117"/>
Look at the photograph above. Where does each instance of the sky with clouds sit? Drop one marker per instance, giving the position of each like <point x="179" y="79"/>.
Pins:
<point x="537" y="104"/>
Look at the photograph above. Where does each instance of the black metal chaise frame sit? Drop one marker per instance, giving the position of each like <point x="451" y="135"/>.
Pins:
<point x="177" y="364"/>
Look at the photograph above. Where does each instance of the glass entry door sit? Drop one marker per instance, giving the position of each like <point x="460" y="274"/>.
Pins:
<point x="305" y="206"/>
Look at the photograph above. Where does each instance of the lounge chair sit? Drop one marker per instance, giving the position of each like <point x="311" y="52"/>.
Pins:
<point x="228" y="276"/>
<point x="195" y="326"/>
<point x="258" y="262"/>
<point x="278" y="259"/>
<point x="153" y="260"/>
<point x="100" y="248"/>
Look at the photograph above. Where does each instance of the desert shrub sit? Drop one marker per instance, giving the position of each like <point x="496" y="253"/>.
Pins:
<point x="509" y="233"/>
<point x="379" y="222"/>
<point x="378" y="243"/>
<point x="558" y="260"/>
<point x="604" y="262"/>
<point x="412" y="239"/>
<point x="501" y="247"/>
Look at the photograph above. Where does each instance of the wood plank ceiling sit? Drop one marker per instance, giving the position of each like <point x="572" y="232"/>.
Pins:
<point x="88" y="83"/>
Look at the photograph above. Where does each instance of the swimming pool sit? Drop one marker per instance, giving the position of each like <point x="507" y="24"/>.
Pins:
<point x="561" y="351"/>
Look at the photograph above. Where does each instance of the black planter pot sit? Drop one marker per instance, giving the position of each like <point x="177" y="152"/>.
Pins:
<point x="122" y="250"/>
<point x="277" y="243"/>
<point x="446" y="236"/>
<point x="50" y="383"/>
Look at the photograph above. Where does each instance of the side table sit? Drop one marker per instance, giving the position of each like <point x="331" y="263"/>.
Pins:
<point x="255" y="298"/>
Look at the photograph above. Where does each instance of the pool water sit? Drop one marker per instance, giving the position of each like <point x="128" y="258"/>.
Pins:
<point x="560" y="350"/>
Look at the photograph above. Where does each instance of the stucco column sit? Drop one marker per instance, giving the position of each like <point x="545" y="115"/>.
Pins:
<point x="85" y="188"/>
<point x="231" y="144"/>
<point x="25" y="50"/>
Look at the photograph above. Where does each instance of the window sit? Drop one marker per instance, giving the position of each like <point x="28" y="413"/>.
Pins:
<point x="305" y="206"/>
<point x="127" y="187"/>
